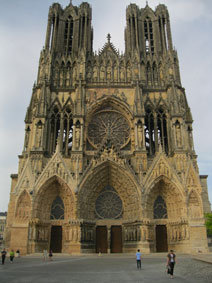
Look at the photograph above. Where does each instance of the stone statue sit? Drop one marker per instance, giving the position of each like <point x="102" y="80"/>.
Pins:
<point x="178" y="135"/>
<point x="108" y="73"/>
<point x="122" y="74"/>
<point x="128" y="74"/>
<point x="102" y="73"/>
<point x="115" y="74"/>
<point x="95" y="73"/>
<point x="77" y="136"/>
<point x="61" y="78"/>
<point x="89" y="74"/>
<point x="74" y="75"/>
<point x="68" y="77"/>
<point x="140" y="135"/>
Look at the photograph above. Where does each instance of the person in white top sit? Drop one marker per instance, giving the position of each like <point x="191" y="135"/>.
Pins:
<point x="45" y="255"/>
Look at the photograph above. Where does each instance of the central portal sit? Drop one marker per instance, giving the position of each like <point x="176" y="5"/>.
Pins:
<point x="113" y="239"/>
<point x="101" y="239"/>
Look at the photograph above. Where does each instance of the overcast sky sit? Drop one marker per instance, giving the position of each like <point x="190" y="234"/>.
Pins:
<point x="22" y="32"/>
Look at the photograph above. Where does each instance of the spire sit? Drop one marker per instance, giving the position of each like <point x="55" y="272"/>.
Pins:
<point x="108" y="38"/>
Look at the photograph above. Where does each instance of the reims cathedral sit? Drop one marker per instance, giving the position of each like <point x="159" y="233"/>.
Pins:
<point x="108" y="162"/>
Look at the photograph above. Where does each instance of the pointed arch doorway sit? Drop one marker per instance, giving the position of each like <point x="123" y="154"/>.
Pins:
<point x="56" y="239"/>
<point x="109" y="239"/>
<point x="161" y="239"/>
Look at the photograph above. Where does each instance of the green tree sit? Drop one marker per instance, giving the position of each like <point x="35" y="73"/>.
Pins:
<point x="208" y="223"/>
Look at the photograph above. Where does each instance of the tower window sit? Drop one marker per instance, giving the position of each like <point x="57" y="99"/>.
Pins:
<point x="156" y="131"/>
<point x="162" y="129"/>
<point x="54" y="129"/>
<point x="67" y="131"/>
<point x="68" y="34"/>
<point x="148" y="34"/>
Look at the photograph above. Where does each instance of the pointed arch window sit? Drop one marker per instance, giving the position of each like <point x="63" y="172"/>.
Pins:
<point x="162" y="129"/>
<point x="82" y="27"/>
<point x="163" y="32"/>
<point x="156" y="130"/>
<point x="53" y="30"/>
<point x="160" y="209"/>
<point x="149" y="132"/>
<point x="68" y="35"/>
<point x="148" y="34"/>
<point x="54" y="128"/>
<point x="67" y="131"/>
<point x="57" y="209"/>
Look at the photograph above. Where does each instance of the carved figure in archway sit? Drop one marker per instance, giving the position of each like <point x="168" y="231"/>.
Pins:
<point x="68" y="77"/>
<point x="95" y="73"/>
<point x="77" y="136"/>
<point x="115" y="74"/>
<point x="128" y="74"/>
<point x="74" y="75"/>
<point x="61" y="78"/>
<point x="108" y="73"/>
<point x="122" y="74"/>
<point x="102" y="73"/>
<point x="89" y="74"/>
<point x="140" y="135"/>
<point x="178" y="135"/>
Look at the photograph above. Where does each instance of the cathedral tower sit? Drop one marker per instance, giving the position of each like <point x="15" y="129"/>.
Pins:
<point x="108" y="162"/>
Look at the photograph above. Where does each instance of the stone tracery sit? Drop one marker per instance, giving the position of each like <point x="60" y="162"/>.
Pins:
<point x="101" y="120"/>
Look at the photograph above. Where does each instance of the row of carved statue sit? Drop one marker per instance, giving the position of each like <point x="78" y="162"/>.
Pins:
<point x="87" y="234"/>
<point x="64" y="77"/>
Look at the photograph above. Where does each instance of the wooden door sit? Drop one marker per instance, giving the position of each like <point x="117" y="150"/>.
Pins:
<point x="101" y="239"/>
<point x="56" y="239"/>
<point x="161" y="238"/>
<point x="116" y="239"/>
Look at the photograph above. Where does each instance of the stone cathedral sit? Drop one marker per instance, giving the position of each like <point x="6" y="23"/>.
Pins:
<point x="108" y="163"/>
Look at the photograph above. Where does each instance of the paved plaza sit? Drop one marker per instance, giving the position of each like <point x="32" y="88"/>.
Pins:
<point x="104" y="268"/>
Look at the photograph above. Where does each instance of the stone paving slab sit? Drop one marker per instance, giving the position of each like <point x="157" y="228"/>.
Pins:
<point x="204" y="257"/>
<point x="103" y="269"/>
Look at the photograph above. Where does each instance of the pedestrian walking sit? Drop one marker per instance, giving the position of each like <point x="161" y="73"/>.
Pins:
<point x="3" y="255"/>
<point x="45" y="254"/>
<point x="12" y="255"/>
<point x="50" y="255"/>
<point x="171" y="260"/>
<point x="18" y="253"/>
<point x="138" y="259"/>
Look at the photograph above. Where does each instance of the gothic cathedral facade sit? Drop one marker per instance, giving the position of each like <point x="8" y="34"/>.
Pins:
<point x="108" y="163"/>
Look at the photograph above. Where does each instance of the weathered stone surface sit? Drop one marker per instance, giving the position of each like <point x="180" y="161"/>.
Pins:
<point x="108" y="143"/>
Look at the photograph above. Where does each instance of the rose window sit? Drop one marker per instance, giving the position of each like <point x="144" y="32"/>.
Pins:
<point x="109" y="125"/>
<point x="108" y="204"/>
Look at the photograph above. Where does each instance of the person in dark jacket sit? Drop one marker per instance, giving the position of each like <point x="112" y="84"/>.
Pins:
<point x="171" y="260"/>
<point x="3" y="255"/>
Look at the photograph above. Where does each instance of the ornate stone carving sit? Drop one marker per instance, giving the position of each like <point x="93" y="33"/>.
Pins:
<point x="108" y="124"/>
<point x="108" y="204"/>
